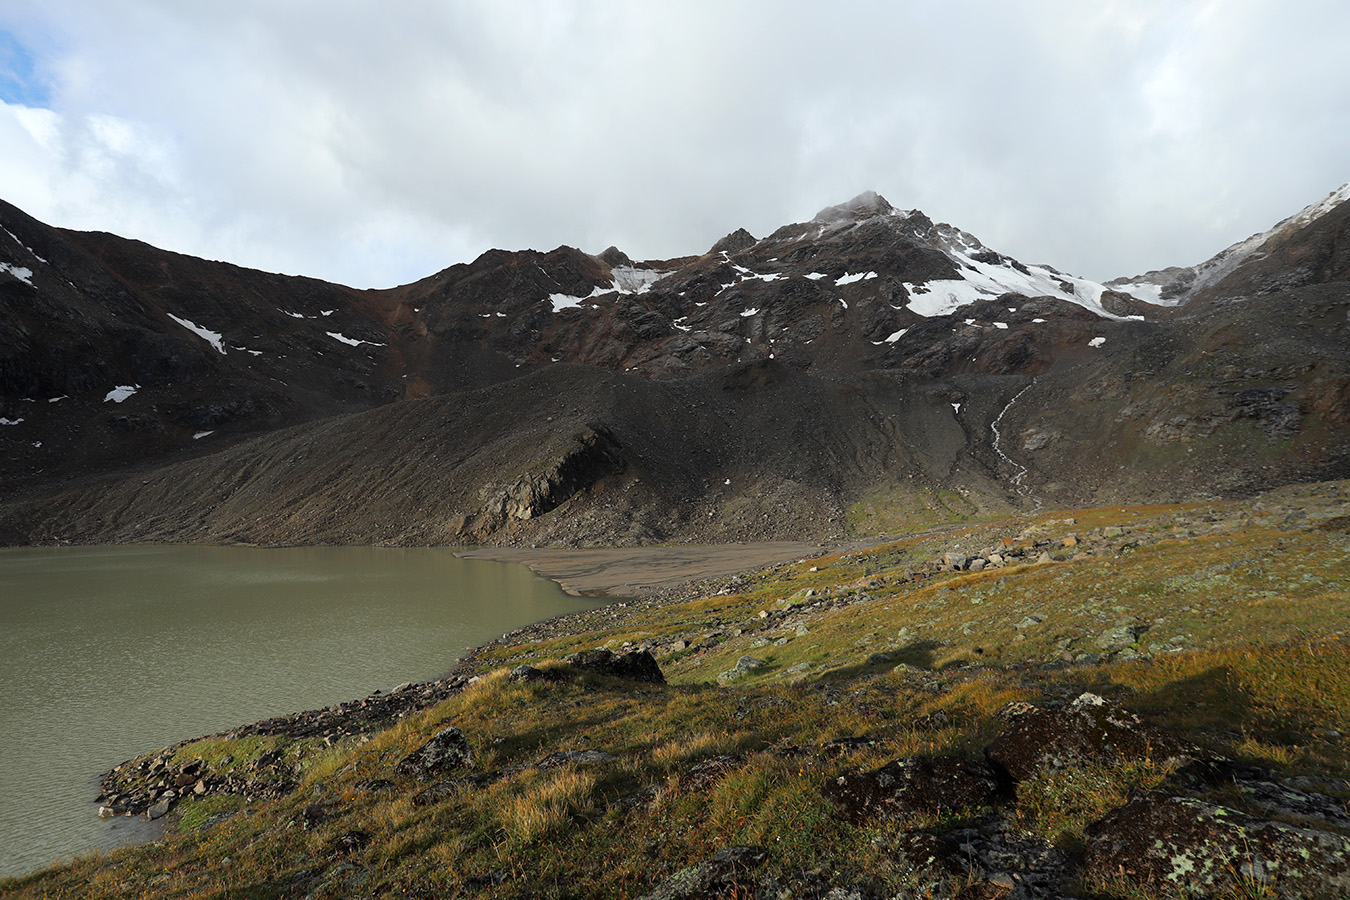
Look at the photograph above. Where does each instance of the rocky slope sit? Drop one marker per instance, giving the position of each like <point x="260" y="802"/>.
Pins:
<point x="850" y="373"/>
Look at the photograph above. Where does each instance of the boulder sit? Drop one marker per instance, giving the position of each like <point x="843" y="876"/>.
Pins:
<point x="524" y="674"/>
<point x="726" y="873"/>
<point x="1163" y="843"/>
<point x="743" y="665"/>
<point x="1088" y="731"/>
<point x="920" y="784"/>
<point x="1120" y="637"/>
<point x="637" y="665"/>
<point x="446" y="749"/>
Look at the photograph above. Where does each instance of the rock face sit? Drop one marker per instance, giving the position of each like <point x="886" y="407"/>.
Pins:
<point x="637" y="665"/>
<point x="921" y="784"/>
<point x="593" y="455"/>
<point x="446" y="749"/>
<point x="1175" y="843"/>
<point x="1088" y="731"/>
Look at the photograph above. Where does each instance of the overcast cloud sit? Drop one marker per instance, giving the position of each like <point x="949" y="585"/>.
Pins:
<point x="374" y="144"/>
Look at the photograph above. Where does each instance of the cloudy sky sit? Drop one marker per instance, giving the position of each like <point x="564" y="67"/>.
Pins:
<point x="375" y="143"/>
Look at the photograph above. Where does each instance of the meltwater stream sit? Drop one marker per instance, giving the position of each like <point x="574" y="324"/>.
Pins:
<point x="107" y="652"/>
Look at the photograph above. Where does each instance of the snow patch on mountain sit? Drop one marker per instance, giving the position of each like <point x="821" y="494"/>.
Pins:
<point x="20" y="272"/>
<point x="632" y="280"/>
<point x="211" y="337"/>
<point x="31" y="251"/>
<point x="627" y="280"/>
<point x="351" y="342"/>
<point x="120" y="393"/>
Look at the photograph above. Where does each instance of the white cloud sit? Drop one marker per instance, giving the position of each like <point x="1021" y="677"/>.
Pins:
<point x="376" y="145"/>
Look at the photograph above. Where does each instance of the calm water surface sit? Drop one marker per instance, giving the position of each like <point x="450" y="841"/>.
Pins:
<point x="107" y="652"/>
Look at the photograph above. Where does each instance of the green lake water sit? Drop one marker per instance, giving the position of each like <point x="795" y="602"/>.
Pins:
<point x="107" y="652"/>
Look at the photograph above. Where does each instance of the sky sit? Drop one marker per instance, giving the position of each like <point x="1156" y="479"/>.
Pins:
<point x="373" y="144"/>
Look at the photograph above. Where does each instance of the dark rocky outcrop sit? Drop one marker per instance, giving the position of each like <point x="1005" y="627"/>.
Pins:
<point x="446" y="749"/>
<point x="636" y="665"/>
<point x="1088" y="731"/>
<point x="921" y="784"/>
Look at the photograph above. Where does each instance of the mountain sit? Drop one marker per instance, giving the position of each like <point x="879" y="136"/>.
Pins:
<point x="864" y="370"/>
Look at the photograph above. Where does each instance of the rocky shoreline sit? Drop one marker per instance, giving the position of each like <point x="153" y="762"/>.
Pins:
<point x="150" y="784"/>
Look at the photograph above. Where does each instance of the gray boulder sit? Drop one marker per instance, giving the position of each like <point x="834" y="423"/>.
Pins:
<point x="446" y="749"/>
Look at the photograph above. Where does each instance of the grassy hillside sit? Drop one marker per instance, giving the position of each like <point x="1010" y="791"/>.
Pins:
<point x="1223" y="623"/>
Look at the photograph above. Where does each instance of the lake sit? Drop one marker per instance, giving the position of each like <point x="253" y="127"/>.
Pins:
<point x="107" y="652"/>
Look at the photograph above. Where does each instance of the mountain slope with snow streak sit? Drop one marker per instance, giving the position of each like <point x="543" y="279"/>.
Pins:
<point x="1174" y="286"/>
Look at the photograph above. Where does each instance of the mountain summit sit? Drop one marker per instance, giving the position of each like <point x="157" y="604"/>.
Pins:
<point x="864" y="206"/>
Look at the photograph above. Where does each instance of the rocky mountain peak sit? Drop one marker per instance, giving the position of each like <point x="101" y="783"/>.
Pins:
<point x="864" y="206"/>
<point x="613" y="256"/>
<point x="738" y="240"/>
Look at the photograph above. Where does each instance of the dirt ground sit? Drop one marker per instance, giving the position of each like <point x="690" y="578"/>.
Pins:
<point x="641" y="571"/>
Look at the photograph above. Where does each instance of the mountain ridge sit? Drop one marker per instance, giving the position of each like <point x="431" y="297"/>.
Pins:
<point x="119" y="358"/>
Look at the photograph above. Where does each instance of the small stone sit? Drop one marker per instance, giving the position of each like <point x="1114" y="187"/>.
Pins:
<point x="106" y="812"/>
<point x="1044" y="558"/>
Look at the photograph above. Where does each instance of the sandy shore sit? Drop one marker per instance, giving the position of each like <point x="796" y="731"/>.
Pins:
<point x="641" y="571"/>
